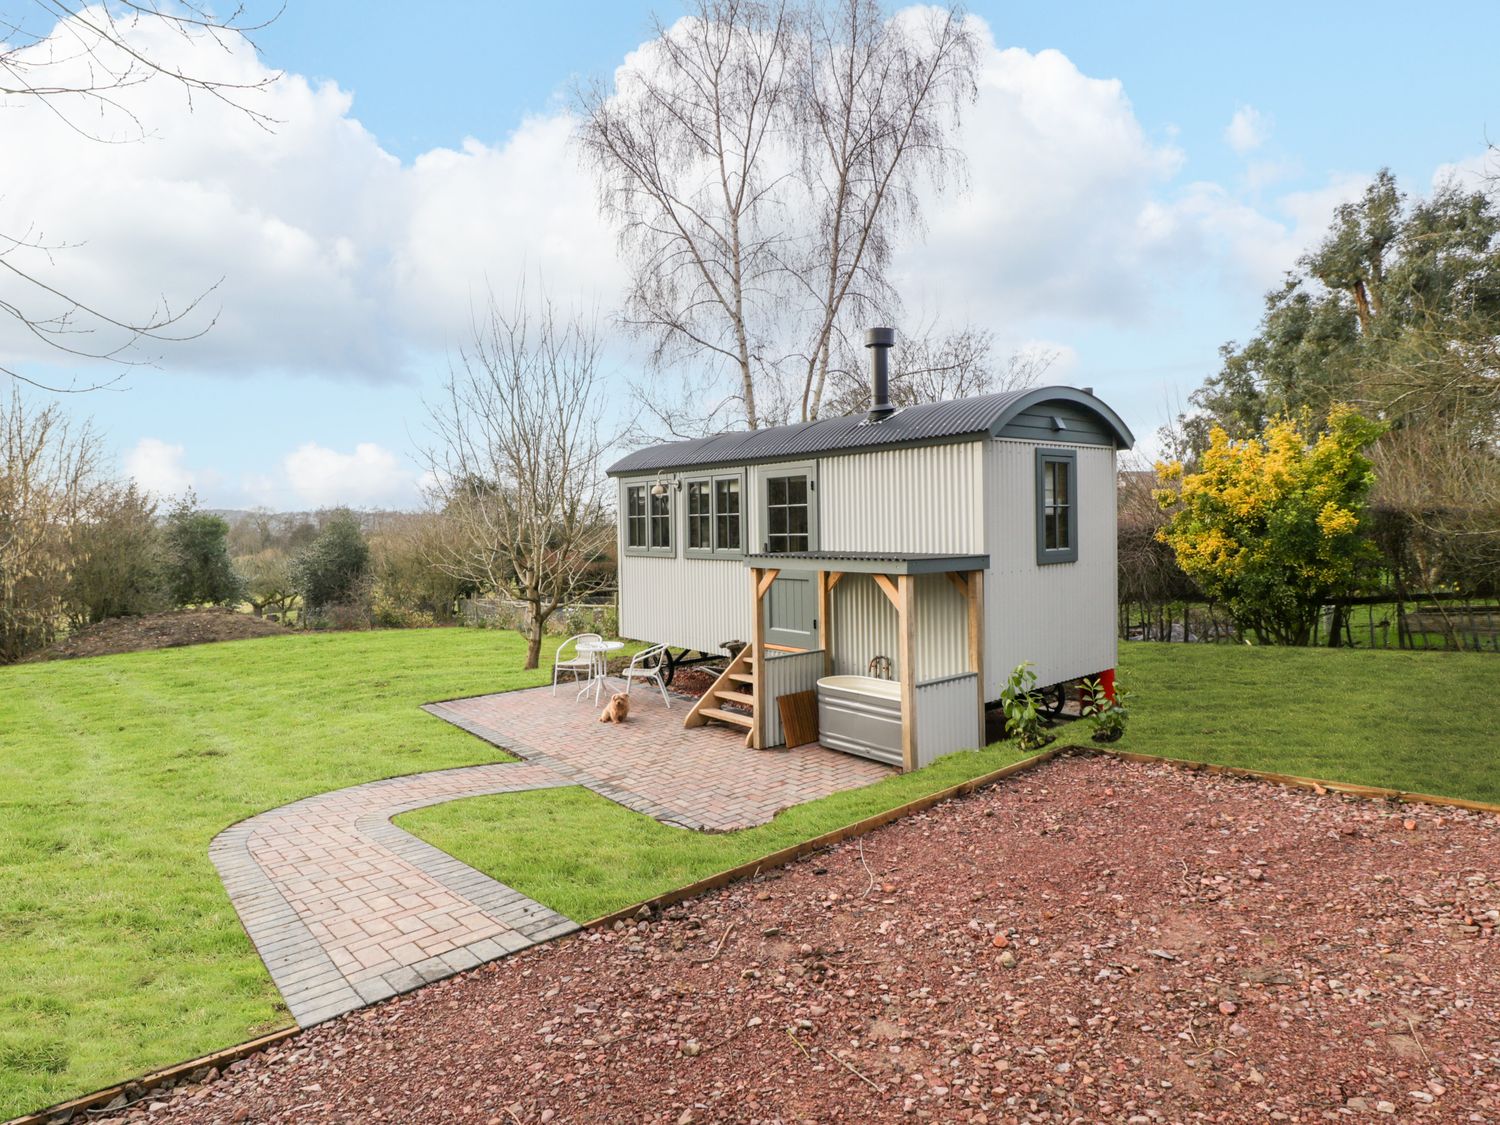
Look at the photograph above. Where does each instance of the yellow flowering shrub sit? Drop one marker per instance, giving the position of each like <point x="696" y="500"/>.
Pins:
<point x="1270" y="526"/>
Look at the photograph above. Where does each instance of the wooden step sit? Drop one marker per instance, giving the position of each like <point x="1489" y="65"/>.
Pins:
<point x="736" y="697"/>
<point x="742" y="677"/>
<point x="737" y="718"/>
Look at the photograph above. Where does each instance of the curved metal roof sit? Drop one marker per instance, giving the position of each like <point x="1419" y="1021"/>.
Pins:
<point x="925" y="423"/>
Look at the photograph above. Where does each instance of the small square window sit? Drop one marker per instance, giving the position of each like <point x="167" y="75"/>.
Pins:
<point x="788" y="515"/>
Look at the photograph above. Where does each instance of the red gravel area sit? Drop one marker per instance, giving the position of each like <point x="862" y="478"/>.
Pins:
<point x="1092" y="941"/>
<point x="693" y="681"/>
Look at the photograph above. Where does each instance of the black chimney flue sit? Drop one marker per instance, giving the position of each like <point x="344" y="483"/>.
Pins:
<point x="879" y="341"/>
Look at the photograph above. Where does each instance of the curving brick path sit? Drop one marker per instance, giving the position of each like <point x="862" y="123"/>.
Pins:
<point x="346" y="909"/>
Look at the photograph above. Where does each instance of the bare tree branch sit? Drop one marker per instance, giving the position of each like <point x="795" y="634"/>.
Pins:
<point x="758" y="162"/>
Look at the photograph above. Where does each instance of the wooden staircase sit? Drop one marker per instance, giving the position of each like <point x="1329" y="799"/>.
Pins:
<point x="736" y="684"/>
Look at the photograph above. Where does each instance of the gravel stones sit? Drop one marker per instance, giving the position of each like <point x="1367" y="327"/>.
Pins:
<point x="1353" y="977"/>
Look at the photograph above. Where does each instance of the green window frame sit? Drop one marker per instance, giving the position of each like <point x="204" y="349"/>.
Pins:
<point x="648" y="520"/>
<point x="1056" y="506"/>
<point x="789" y="511"/>
<point x="714" y="508"/>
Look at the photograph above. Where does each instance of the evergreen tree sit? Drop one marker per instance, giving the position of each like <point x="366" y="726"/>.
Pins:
<point x="198" y="569"/>
<point x="333" y="569"/>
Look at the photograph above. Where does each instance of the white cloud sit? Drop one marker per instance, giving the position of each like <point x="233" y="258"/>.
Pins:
<point x="1062" y="204"/>
<point x="339" y="259"/>
<point x="310" y="477"/>
<point x="370" y="477"/>
<point x="1247" y="130"/>
<point x="335" y="258"/>
<point x="1473" y="173"/>
<point x="157" y="467"/>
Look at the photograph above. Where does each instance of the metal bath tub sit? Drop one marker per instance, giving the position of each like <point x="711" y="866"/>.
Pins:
<point x="861" y="715"/>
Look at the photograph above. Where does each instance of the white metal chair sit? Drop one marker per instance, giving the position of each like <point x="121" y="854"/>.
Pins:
<point x="569" y="659"/>
<point x="647" y="665"/>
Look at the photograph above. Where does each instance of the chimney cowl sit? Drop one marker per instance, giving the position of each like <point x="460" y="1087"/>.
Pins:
<point x="879" y="341"/>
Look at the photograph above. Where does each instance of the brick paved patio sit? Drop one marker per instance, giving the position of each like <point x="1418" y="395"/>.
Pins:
<point x="703" y="778"/>
<point x="347" y="909"/>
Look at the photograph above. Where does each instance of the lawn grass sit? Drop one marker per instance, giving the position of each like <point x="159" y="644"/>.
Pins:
<point x="585" y="856"/>
<point x="119" y="951"/>
<point x="1423" y="722"/>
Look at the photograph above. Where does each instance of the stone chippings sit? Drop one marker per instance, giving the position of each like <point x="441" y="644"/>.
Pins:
<point x="1091" y="941"/>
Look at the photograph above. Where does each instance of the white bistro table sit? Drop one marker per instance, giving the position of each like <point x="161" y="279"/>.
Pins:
<point x="598" y="665"/>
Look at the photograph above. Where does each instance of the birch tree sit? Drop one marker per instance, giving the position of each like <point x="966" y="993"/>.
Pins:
<point x="516" y="461"/>
<point x="759" y="161"/>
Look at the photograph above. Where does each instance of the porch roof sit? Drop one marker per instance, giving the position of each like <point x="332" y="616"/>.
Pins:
<point x="884" y="562"/>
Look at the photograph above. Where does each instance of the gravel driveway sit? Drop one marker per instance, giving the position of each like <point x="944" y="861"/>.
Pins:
<point x="1090" y="941"/>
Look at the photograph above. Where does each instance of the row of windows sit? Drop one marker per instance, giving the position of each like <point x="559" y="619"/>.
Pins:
<point x="714" y="512"/>
<point x="714" y="515"/>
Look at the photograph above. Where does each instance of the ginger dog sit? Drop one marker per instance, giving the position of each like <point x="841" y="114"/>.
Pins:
<point x="616" y="709"/>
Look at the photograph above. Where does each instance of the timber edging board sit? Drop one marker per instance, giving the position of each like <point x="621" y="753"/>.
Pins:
<point x="64" y="1110"/>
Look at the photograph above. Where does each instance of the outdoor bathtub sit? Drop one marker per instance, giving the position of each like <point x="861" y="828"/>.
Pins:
<point x="861" y="715"/>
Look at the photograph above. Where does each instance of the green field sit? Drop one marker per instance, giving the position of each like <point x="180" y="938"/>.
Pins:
<point x="119" y="951"/>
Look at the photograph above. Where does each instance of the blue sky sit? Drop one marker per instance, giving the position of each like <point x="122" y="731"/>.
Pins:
<point x="1166" y="220"/>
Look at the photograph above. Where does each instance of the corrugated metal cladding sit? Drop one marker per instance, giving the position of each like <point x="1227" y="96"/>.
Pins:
<point x="864" y="626"/>
<point x="687" y="603"/>
<point x="1060" y="617"/>
<point x="923" y="500"/>
<point x="947" y="718"/>
<point x="786" y="674"/>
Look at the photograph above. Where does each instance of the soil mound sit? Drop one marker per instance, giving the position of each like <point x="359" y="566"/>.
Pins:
<point x="159" y="630"/>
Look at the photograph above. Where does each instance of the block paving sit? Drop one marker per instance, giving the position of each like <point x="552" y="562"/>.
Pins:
<point x="705" y="778"/>
<point x="346" y="909"/>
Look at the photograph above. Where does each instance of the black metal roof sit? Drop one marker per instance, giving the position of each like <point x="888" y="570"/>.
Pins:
<point x="926" y="423"/>
<point x="882" y="562"/>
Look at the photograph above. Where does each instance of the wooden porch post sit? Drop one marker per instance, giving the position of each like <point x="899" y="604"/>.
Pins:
<point x="906" y="612"/>
<point x="756" y="739"/>
<point x="825" y="605"/>
<point x="976" y="638"/>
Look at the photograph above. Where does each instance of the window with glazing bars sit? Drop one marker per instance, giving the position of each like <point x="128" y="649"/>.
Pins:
<point x="635" y="516"/>
<point x="1056" y="506"/>
<point x="787" y="514"/>
<point x="661" y="521"/>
